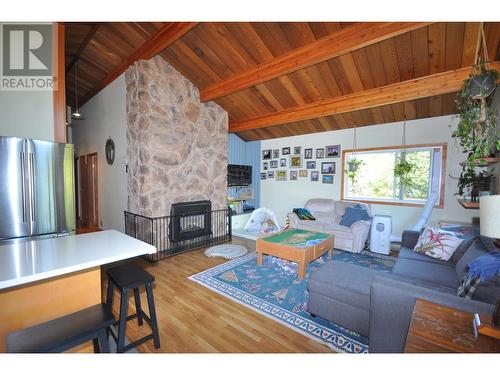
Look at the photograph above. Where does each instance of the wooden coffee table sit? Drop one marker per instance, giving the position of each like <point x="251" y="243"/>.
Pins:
<point x="296" y="245"/>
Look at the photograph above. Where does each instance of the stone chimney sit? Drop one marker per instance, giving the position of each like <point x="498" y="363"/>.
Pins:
<point x="177" y="146"/>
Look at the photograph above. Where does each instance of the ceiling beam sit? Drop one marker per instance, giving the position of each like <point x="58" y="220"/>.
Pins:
<point x="163" y="38"/>
<point x="436" y="84"/>
<point x="338" y="43"/>
<point x="83" y="44"/>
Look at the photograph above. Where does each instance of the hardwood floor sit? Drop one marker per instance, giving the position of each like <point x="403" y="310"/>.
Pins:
<point x="194" y="319"/>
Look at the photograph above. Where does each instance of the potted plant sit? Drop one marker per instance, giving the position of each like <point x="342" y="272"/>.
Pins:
<point x="476" y="129"/>
<point x="402" y="170"/>
<point x="353" y="165"/>
<point x="475" y="182"/>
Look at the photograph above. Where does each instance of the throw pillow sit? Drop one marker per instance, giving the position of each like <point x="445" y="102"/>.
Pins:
<point x="437" y="243"/>
<point x="352" y="214"/>
<point x="303" y="214"/>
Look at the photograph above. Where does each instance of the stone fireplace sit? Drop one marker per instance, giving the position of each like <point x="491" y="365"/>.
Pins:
<point x="177" y="146"/>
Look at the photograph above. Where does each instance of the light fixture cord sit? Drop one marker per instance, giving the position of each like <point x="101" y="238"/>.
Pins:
<point x="76" y="85"/>
<point x="404" y="139"/>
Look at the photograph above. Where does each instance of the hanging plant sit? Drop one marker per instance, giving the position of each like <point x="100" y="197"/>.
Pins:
<point x="472" y="182"/>
<point x="353" y="165"/>
<point x="403" y="167"/>
<point x="476" y="131"/>
<point x="402" y="170"/>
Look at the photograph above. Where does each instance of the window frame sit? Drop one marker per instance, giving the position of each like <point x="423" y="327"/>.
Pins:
<point x="439" y="203"/>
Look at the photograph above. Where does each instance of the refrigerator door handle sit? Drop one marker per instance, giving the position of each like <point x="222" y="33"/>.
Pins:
<point x="23" y="186"/>
<point x="32" y="186"/>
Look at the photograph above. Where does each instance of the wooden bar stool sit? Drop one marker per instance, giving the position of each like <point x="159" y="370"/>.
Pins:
<point x="61" y="334"/>
<point x="125" y="278"/>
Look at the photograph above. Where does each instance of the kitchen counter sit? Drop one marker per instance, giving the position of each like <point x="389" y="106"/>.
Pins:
<point x="26" y="262"/>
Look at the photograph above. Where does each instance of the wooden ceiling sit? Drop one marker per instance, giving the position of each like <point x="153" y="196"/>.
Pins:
<point x="282" y="79"/>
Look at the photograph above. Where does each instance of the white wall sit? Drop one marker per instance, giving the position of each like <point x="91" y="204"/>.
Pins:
<point x="27" y="114"/>
<point x="281" y="196"/>
<point x="105" y="116"/>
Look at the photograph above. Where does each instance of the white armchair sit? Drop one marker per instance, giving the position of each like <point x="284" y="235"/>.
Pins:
<point x="328" y="214"/>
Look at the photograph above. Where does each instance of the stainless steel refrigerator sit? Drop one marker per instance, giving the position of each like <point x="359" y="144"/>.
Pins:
<point x="37" y="189"/>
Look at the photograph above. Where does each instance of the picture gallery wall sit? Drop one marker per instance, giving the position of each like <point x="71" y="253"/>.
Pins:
<point x="292" y="163"/>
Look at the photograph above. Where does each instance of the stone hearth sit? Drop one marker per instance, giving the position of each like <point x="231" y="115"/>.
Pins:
<point x="177" y="146"/>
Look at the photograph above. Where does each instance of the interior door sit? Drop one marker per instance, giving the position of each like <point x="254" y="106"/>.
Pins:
<point x="14" y="210"/>
<point x="83" y="219"/>
<point x="93" y="206"/>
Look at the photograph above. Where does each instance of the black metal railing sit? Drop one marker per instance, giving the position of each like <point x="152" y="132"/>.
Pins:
<point x="156" y="231"/>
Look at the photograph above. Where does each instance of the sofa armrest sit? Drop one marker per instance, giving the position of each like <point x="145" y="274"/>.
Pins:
<point x="293" y="219"/>
<point x="392" y="300"/>
<point x="410" y="239"/>
<point x="360" y="230"/>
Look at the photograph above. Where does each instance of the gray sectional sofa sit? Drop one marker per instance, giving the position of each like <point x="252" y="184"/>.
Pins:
<point x="380" y="305"/>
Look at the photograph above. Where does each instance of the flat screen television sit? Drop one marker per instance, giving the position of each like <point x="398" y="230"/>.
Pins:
<point x="239" y="175"/>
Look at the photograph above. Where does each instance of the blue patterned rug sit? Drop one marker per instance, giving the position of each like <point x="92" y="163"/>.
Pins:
<point x="275" y="291"/>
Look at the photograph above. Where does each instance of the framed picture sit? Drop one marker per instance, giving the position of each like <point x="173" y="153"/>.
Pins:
<point x="265" y="166"/>
<point x="270" y="174"/>
<point x="297" y="150"/>
<point x="281" y="175"/>
<point x="314" y="176"/>
<point x="283" y="163"/>
<point x="308" y="153"/>
<point x="328" y="167"/>
<point x="311" y="165"/>
<point x="266" y="154"/>
<point x="320" y="153"/>
<point x="276" y="154"/>
<point x="263" y="175"/>
<point x="296" y="161"/>
<point x="303" y="173"/>
<point x="328" y="179"/>
<point x="285" y="151"/>
<point x="293" y="175"/>
<point x="332" y="151"/>
<point x="273" y="163"/>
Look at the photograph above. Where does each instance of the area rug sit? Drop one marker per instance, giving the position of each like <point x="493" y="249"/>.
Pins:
<point x="275" y="291"/>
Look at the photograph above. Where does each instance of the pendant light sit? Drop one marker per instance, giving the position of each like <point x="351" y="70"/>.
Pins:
<point x="76" y="114"/>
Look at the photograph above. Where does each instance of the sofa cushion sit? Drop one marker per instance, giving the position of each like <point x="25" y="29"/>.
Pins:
<point x="340" y="207"/>
<point x="314" y="225"/>
<point x="344" y="282"/>
<point x="437" y="243"/>
<point x="323" y="217"/>
<point x="320" y="205"/>
<point x="353" y="214"/>
<point x="426" y="271"/>
<point x="405" y="253"/>
<point x="460" y="251"/>
<point x="476" y="249"/>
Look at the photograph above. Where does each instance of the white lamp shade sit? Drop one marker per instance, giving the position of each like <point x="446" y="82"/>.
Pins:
<point x="489" y="213"/>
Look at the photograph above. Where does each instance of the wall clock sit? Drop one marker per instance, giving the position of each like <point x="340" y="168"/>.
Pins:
<point x="110" y="151"/>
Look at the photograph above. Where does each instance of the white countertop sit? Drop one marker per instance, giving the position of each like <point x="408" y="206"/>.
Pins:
<point x="25" y="262"/>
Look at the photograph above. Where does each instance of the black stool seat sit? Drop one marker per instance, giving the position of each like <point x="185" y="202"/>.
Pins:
<point x="130" y="276"/>
<point x="126" y="277"/>
<point x="66" y="332"/>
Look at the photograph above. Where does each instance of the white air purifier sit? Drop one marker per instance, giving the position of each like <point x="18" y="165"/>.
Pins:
<point x="380" y="236"/>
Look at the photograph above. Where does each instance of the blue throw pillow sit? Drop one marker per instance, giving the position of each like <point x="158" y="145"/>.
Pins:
<point x="352" y="214"/>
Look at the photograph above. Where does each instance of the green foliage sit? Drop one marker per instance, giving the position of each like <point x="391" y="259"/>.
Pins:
<point x="353" y="168"/>
<point x="469" y="179"/>
<point x="402" y="171"/>
<point x="419" y="176"/>
<point x="476" y="131"/>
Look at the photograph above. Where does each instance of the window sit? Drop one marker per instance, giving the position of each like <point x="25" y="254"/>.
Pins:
<point x="375" y="181"/>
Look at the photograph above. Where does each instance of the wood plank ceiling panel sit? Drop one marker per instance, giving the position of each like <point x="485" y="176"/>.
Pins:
<point x="211" y="52"/>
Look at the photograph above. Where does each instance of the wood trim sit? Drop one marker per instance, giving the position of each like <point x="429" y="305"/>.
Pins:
<point x="59" y="89"/>
<point x="432" y="85"/>
<point x="83" y="44"/>
<point x="444" y="159"/>
<point x="338" y="43"/>
<point x="167" y="35"/>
